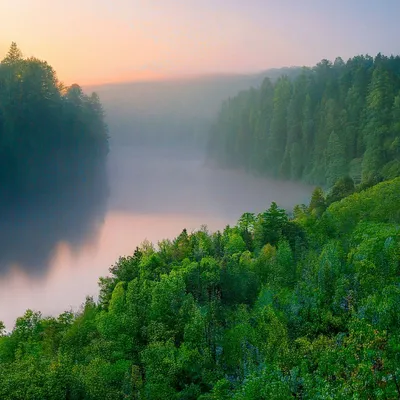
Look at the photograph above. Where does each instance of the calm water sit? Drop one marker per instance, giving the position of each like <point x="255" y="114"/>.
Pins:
<point x="154" y="194"/>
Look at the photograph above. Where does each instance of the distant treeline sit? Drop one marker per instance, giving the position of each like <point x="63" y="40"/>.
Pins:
<point x="333" y="120"/>
<point x="51" y="136"/>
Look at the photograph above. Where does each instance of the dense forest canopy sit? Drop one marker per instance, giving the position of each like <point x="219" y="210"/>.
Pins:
<point x="53" y="149"/>
<point x="278" y="306"/>
<point x="271" y="308"/>
<point x="333" y="120"/>
<point x="50" y="135"/>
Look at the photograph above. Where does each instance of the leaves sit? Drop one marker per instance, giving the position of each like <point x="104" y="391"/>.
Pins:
<point x="48" y="135"/>
<point x="321" y="125"/>
<point x="271" y="308"/>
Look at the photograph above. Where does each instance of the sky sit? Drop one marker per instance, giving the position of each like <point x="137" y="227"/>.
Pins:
<point x="101" y="41"/>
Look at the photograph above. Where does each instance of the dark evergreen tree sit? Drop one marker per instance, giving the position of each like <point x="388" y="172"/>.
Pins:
<point x="286" y="129"/>
<point x="50" y="136"/>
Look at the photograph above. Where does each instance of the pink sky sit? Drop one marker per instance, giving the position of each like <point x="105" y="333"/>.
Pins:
<point x="97" y="41"/>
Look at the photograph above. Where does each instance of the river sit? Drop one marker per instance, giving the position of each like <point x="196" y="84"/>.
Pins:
<point x="154" y="194"/>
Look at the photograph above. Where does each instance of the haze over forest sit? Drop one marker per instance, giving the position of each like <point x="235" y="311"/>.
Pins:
<point x="173" y="112"/>
<point x="211" y="212"/>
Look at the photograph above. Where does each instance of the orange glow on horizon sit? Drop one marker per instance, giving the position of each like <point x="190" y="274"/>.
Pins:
<point x="139" y="41"/>
<point x="93" y="42"/>
<point x="142" y="76"/>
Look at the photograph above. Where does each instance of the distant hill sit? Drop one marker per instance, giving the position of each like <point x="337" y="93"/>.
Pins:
<point x="172" y="111"/>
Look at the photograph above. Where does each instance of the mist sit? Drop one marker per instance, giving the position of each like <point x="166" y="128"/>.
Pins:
<point x="146" y="180"/>
<point x="156" y="165"/>
<point x="156" y="183"/>
<point x="176" y="112"/>
<point x="154" y="193"/>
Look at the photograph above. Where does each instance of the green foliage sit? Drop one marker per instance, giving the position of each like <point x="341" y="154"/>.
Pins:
<point x="342" y="188"/>
<point x="330" y="121"/>
<point x="270" y="226"/>
<point x="335" y="159"/>
<point x="378" y="204"/>
<point x="51" y="137"/>
<point x="318" y="202"/>
<point x="272" y="308"/>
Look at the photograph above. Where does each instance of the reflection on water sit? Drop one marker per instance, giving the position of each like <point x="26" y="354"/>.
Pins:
<point x="73" y="276"/>
<point x="31" y="231"/>
<point x="152" y="196"/>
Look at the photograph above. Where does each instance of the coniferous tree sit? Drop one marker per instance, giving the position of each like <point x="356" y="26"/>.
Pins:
<point x="49" y="135"/>
<point x="335" y="159"/>
<point x="378" y="117"/>
<point x="285" y="129"/>
<point x="278" y="130"/>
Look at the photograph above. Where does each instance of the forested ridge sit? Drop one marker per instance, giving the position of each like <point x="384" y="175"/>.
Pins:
<point x="52" y="137"/>
<point x="334" y="120"/>
<point x="276" y="307"/>
<point x="279" y="306"/>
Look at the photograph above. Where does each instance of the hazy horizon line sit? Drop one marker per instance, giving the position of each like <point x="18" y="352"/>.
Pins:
<point x="176" y="77"/>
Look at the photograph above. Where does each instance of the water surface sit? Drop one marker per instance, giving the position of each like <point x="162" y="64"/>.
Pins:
<point x="154" y="194"/>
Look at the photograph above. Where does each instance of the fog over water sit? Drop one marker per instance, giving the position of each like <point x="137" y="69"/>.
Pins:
<point x="165" y="181"/>
<point x="154" y="194"/>
<point x="53" y="250"/>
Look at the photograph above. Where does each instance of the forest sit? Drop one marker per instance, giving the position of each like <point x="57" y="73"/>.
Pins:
<point x="333" y="120"/>
<point x="300" y="305"/>
<point x="276" y="307"/>
<point x="52" y="137"/>
<point x="53" y="154"/>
